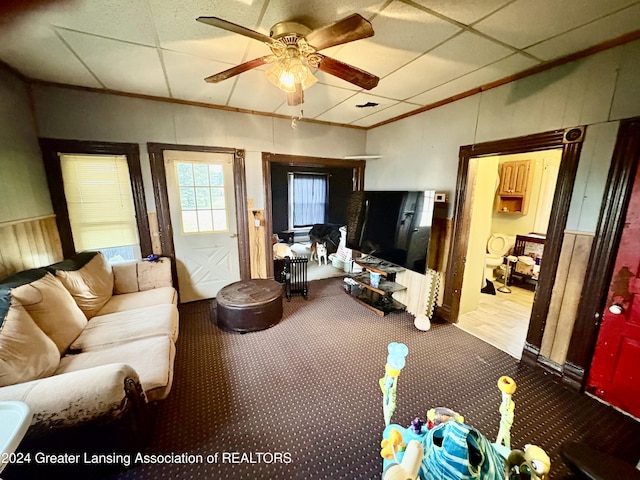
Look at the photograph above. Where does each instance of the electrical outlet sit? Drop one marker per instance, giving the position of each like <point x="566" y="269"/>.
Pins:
<point x="256" y="222"/>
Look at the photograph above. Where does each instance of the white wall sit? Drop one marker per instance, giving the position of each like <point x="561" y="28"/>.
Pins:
<point x="80" y="115"/>
<point x="483" y="173"/>
<point x="23" y="183"/>
<point x="422" y="151"/>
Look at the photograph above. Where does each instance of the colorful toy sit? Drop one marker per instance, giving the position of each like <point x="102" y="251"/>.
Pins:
<point x="508" y="387"/>
<point x="409" y="467"/>
<point x="392" y="445"/>
<point x="533" y="462"/>
<point x="403" y="449"/>
<point x="389" y="383"/>
<point x="439" y="415"/>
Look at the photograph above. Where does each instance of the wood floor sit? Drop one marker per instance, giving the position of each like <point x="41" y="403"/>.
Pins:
<point x="501" y="320"/>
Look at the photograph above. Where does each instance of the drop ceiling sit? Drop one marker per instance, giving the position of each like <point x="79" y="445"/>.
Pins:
<point x="424" y="51"/>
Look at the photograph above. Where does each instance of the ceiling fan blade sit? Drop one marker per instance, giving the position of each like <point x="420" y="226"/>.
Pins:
<point x="348" y="72"/>
<point x="297" y="97"/>
<point x="354" y="27"/>
<point x="232" y="27"/>
<point x="237" y="70"/>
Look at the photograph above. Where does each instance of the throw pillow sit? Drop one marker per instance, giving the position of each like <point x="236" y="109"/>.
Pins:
<point x="89" y="279"/>
<point x="26" y="353"/>
<point x="52" y="308"/>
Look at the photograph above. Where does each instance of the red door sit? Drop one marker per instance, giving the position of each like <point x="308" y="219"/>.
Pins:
<point x="615" y="368"/>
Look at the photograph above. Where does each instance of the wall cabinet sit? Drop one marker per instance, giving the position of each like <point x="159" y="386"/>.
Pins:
<point x="513" y="192"/>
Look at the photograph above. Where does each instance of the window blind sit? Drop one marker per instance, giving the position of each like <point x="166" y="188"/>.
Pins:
<point x="99" y="200"/>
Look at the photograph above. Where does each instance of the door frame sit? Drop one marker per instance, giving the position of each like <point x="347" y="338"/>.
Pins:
<point x="52" y="146"/>
<point x="570" y="140"/>
<point x="165" y="228"/>
<point x="617" y="193"/>
<point x="358" y="167"/>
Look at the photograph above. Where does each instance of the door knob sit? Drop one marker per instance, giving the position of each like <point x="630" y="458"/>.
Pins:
<point x="616" y="309"/>
<point x="233" y="235"/>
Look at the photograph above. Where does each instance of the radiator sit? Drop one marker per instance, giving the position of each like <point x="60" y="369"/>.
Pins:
<point x="292" y="272"/>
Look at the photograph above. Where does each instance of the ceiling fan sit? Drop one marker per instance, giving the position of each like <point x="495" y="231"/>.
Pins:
<point x="294" y="48"/>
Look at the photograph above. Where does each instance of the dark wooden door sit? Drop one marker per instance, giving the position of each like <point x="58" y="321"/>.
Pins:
<point x="615" y="372"/>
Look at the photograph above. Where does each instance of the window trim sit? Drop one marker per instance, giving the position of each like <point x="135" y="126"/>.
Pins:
<point x="51" y="147"/>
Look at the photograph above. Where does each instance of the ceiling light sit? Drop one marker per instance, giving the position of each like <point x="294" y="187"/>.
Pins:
<point x="289" y="71"/>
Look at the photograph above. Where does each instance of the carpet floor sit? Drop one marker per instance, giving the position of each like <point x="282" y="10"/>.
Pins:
<point x="301" y="400"/>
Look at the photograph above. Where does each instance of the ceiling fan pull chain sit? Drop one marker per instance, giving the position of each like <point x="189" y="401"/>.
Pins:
<point x="294" y="120"/>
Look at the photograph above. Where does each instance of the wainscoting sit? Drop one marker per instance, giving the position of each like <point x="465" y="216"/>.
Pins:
<point x="29" y="243"/>
<point x="565" y="299"/>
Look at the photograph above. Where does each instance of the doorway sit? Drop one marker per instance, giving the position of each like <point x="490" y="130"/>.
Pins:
<point x="597" y="295"/>
<point x="506" y="247"/>
<point x="202" y="209"/>
<point x="614" y="375"/>
<point x="170" y="221"/>
<point x="278" y="199"/>
<point x="570" y="141"/>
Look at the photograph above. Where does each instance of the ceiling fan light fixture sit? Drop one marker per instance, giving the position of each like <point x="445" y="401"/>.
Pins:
<point x="287" y="72"/>
<point x="294" y="50"/>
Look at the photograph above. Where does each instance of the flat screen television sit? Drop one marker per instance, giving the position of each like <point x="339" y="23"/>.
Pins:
<point x="392" y="225"/>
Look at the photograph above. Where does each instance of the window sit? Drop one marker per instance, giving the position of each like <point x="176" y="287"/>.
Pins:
<point x="202" y="197"/>
<point x="307" y="199"/>
<point x="97" y="189"/>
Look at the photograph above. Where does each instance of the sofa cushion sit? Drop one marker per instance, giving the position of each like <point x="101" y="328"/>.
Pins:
<point x="129" y="325"/>
<point x="26" y="353"/>
<point x="152" y="358"/>
<point x="132" y="301"/>
<point x="89" y="279"/>
<point x="141" y="275"/>
<point x="50" y="305"/>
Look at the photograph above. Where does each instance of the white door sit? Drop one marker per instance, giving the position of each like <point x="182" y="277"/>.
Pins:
<point x="202" y="205"/>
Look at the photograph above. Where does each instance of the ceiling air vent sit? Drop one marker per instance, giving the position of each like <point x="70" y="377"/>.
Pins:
<point x="368" y="105"/>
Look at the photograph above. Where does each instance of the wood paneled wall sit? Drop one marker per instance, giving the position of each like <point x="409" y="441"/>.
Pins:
<point x="29" y="243"/>
<point x="565" y="297"/>
<point x="257" y="243"/>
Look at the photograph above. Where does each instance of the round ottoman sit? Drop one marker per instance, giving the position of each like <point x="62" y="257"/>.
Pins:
<point x="249" y="305"/>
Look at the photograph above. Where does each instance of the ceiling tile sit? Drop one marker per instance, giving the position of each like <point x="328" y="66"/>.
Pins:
<point x="317" y="100"/>
<point x="178" y="29"/>
<point x="252" y="91"/>
<point x="348" y="111"/>
<point x="122" y="66"/>
<point x="524" y="22"/>
<point x="186" y="76"/>
<point x="317" y="14"/>
<point x="607" y="28"/>
<point x="114" y="44"/>
<point x="463" y="54"/>
<point x="496" y="71"/>
<point x="128" y="20"/>
<point x="382" y="115"/>
<point x="464" y="11"/>
<point x="402" y="33"/>
<point x="58" y="65"/>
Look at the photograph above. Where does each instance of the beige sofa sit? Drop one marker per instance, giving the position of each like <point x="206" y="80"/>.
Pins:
<point x="82" y="342"/>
